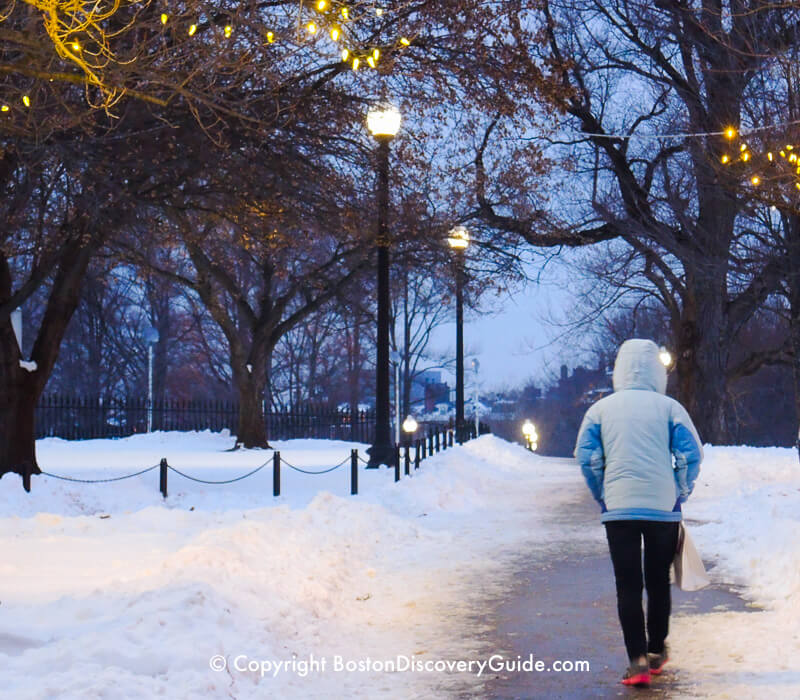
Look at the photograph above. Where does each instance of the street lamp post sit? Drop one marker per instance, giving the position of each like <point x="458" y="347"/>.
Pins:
<point x="151" y="338"/>
<point x="383" y="122"/>
<point x="475" y="367"/>
<point x="396" y="357"/>
<point x="459" y="241"/>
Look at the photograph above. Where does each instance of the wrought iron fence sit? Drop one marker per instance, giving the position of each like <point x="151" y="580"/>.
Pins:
<point x="86" y="417"/>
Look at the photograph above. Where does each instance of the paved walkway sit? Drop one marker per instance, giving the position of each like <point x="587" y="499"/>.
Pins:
<point x="563" y="607"/>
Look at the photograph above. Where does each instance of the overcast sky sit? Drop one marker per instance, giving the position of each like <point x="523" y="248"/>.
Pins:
<point x="517" y="342"/>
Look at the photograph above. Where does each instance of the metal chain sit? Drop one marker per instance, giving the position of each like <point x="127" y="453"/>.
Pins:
<point x="227" y="481"/>
<point x="201" y="481"/>
<point x="101" y="481"/>
<point x="304" y="471"/>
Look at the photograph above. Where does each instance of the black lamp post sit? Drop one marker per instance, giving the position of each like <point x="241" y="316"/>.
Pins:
<point x="151" y="338"/>
<point x="459" y="241"/>
<point x="383" y="121"/>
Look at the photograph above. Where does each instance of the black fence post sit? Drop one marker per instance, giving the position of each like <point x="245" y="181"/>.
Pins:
<point x="397" y="462"/>
<point x="416" y="455"/>
<point x="408" y="460"/>
<point x="450" y="437"/>
<point x="437" y="440"/>
<point x="353" y="472"/>
<point x="444" y="439"/>
<point x="276" y="474"/>
<point x="162" y="477"/>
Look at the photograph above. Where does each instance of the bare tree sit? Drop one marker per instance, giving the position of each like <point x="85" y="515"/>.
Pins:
<point x="632" y="73"/>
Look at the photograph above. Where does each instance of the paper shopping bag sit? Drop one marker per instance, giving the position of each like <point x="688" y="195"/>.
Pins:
<point x="689" y="572"/>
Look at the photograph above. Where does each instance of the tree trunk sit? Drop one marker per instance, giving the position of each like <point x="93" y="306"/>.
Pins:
<point x="19" y="388"/>
<point x="17" y="409"/>
<point x="702" y="356"/>
<point x="252" y="430"/>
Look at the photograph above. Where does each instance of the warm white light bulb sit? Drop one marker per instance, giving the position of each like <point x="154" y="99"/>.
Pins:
<point x="384" y="120"/>
<point x="458" y="238"/>
<point x="410" y="425"/>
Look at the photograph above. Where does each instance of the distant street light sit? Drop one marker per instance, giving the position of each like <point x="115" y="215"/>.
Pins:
<point x="531" y="436"/>
<point x="665" y="356"/>
<point x="458" y="241"/>
<point x="475" y="367"/>
<point x="383" y="122"/>
<point x="396" y="357"/>
<point x="410" y="426"/>
<point x="150" y="336"/>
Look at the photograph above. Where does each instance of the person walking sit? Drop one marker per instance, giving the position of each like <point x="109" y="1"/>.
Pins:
<point x="625" y="447"/>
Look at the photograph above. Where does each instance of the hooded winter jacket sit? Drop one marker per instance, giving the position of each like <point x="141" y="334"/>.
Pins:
<point x="627" y="440"/>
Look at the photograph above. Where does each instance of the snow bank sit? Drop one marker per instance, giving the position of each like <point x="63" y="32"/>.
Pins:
<point x="745" y="518"/>
<point x="747" y="502"/>
<point x="110" y="591"/>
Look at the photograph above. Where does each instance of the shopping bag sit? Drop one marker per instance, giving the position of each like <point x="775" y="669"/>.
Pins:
<point x="689" y="572"/>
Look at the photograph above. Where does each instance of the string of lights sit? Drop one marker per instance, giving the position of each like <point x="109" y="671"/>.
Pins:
<point x="321" y="19"/>
<point x="729" y="132"/>
<point x="761" y="163"/>
<point x="739" y="152"/>
<point x="332" y="19"/>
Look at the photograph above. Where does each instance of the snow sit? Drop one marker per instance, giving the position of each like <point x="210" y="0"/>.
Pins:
<point x="110" y="591"/>
<point x="744" y="516"/>
<point x="114" y="591"/>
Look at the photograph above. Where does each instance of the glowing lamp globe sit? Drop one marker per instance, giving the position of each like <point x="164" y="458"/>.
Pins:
<point x="458" y="238"/>
<point x="383" y="120"/>
<point x="531" y="436"/>
<point x="410" y="425"/>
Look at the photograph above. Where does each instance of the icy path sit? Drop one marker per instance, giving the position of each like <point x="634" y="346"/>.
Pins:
<point x="562" y="607"/>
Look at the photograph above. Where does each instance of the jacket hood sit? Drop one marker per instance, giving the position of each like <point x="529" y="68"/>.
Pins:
<point x="639" y="367"/>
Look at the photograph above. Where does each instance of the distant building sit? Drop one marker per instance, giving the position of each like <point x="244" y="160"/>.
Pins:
<point x="436" y="393"/>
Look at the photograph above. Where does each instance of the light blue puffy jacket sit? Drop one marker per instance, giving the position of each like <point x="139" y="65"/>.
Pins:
<point x="627" y="440"/>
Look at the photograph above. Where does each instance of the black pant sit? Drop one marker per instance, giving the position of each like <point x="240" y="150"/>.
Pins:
<point x="625" y="545"/>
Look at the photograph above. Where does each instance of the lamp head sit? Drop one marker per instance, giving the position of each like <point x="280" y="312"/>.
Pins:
<point x="410" y="425"/>
<point x="383" y="120"/>
<point x="458" y="238"/>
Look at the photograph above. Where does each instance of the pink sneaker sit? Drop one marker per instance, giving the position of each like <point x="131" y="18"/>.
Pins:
<point x="637" y="674"/>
